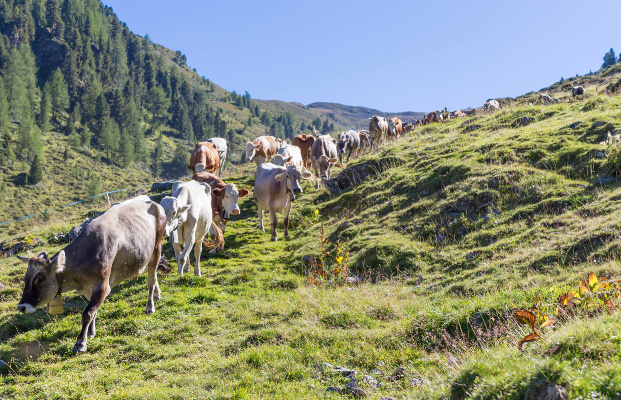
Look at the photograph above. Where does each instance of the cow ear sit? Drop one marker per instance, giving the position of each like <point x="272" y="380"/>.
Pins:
<point x="57" y="265"/>
<point x="281" y="177"/>
<point x="243" y="193"/>
<point x="306" y="175"/>
<point x="217" y="192"/>
<point x="183" y="209"/>
<point x="43" y="255"/>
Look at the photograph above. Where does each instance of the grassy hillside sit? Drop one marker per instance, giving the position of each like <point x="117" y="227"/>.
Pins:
<point x="456" y="225"/>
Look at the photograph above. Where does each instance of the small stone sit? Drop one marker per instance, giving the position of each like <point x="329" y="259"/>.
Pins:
<point x="600" y="154"/>
<point x="398" y="374"/>
<point x="419" y="280"/>
<point x="604" y="181"/>
<point x="417" y="382"/>
<point x="425" y="193"/>
<point x="344" y="225"/>
<point x="307" y="258"/>
<point x="345" y="372"/>
<point x="335" y="208"/>
<point x="575" y="124"/>
<point x="440" y="238"/>
<point x="3" y="364"/>
<point x="333" y="389"/>
<point x="387" y="398"/>
<point x="381" y="364"/>
<point x="462" y="231"/>
<point x="470" y="256"/>
<point x="598" y="124"/>
<point x="324" y="367"/>
<point x="358" y="392"/>
<point x="357" y="221"/>
<point x="352" y="383"/>
<point x="354" y="279"/>
<point x="369" y="380"/>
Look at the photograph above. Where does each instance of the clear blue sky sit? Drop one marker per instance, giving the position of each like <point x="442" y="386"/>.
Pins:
<point x="390" y="55"/>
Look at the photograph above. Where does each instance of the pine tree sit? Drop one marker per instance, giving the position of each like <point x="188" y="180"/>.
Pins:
<point x="110" y="138"/>
<point x="66" y="154"/>
<point x="126" y="149"/>
<point x="44" y="110"/>
<point x="158" y="104"/>
<point x="609" y="59"/>
<point x="93" y="186"/>
<point x="58" y="92"/>
<point x="156" y="156"/>
<point x="36" y="170"/>
<point x="4" y="110"/>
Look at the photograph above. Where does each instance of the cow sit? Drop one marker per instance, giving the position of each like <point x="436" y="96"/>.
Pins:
<point x="222" y="146"/>
<point x="365" y="141"/>
<point x="224" y="197"/>
<point x="378" y="129"/>
<point x="408" y="127"/>
<point x="263" y="148"/>
<point x="275" y="188"/>
<point x="491" y="105"/>
<point x="348" y="144"/>
<point x="446" y="115"/>
<point x="577" y="91"/>
<point x="395" y="128"/>
<point x="459" y="114"/>
<point x="304" y="142"/>
<point x="432" y="117"/>
<point x="324" y="156"/>
<point x="120" y="244"/>
<point x="289" y="155"/>
<point x="205" y="153"/>
<point x="188" y="219"/>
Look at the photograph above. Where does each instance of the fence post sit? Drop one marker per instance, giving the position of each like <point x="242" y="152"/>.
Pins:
<point x="109" y="205"/>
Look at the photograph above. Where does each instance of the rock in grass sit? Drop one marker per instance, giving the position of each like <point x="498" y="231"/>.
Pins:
<point x="369" y="380"/>
<point x="333" y="389"/>
<point x="345" y="372"/>
<point x="398" y="374"/>
<point x="417" y="382"/>
<point x="440" y="238"/>
<point x="470" y="256"/>
<point x="575" y="124"/>
<point x="600" y="154"/>
<point x="358" y="392"/>
<point x="387" y="398"/>
<point x="604" y="181"/>
<point x="325" y="367"/>
<point x="344" y="225"/>
<point x="307" y="258"/>
<point x="598" y="124"/>
<point x="3" y="364"/>
<point x="354" y="279"/>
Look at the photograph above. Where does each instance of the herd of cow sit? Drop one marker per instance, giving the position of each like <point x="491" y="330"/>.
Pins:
<point x="126" y="240"/>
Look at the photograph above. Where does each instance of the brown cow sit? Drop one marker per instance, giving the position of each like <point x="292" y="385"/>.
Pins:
<point x="304" y="142"/>
<point x="263" y="148"/>
<point x="207" y="154"/>
<point x="395" y="128"/>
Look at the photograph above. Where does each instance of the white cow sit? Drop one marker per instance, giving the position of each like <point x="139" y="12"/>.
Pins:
<point x="289" y="155"/>
<point x="188" y="219"/>
<point x="222" y="146"/>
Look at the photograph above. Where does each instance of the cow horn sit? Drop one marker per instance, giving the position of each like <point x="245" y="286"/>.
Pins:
<point x="24" y="259"/>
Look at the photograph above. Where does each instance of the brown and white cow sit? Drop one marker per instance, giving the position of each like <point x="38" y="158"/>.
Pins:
<point x="262" y="149"/>
<point x="120" y="244"/>
<point x="205" y="153"/>
<point x="378" y="129"/>
<point x="324" y="156"/>
<point x="365" y="142"/>
<point x="275" y="188"/>
<point x="395" y="129"/>
<point x="304" y="142"/>
<point x="459" y="114"/>
<point x="224" y="197"/>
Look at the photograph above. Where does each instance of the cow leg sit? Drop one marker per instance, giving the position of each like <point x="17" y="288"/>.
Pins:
<point x="177" y="247"/>
<point x="316" y="177"/>
<point x="184" y="258"/>
<point x="97" y="298"/>
<point x="261" y="219"/>
<point x="286" y="212"/>
<point x="91" y="328"/>
<point x="154" y="287"/>
<point x="198" y="247"/>
<point x="273" y="222"/>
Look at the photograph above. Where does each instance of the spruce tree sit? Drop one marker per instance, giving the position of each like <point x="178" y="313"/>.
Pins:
<point x="156" y="156"/>
<point x="4" y="110"/>
<point x="126" y="149"/>
<point x="110" y="138"/>
<point x="36" y="170"/>
<point x="58" y="92"/>
<point x="44" y="109"/>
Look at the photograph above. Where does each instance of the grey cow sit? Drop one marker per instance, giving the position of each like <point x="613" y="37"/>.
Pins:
<point x="275" y="188"/>
<point x="222" y="147"/>
<point x="323" y="156"/>
<point x="348" y="144"/>
<point x="120" y="244"/>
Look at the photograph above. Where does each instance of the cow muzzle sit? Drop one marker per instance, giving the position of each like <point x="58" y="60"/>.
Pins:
<point x="25" y="308"/>
<point x="297" y="190"/>
<point x="235" y="211"/>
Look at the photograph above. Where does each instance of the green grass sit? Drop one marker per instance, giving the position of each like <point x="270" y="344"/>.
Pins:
<point x="457" y="230"/>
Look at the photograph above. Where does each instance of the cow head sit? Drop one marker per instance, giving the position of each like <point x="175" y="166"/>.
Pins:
<point x="176" y="213"/>
<point x="41" y="282"/>
<point x="324" y="165"/>
<point x="229" y="197"/>
<point x="278" y="160"/>
<point x="250" y="151"/>
<point x="292" y="177"/>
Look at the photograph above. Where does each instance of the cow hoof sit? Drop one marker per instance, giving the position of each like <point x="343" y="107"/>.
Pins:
<point x="273" y="239"/>
<point x="150" y="310"/>
<point x="79" y="348"/>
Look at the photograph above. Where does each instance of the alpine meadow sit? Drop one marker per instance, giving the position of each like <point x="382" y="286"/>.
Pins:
<point x="162" y="237"/>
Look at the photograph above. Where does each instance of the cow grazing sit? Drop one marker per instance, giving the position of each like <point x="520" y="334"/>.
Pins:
<point x="224" y="197"/>
<point x="263" y="148"/>
<point x="378" y="129"/>
<point x="432" y="117"/>
<point x="289" y="155"/>
<point x="324" y="156"/>
<point x="348" y="144"/>
<point x="205" y="153"/>
<point x="222" y="146"/>
<point x="275" y="188"/>
<point x="459" y="114"/>
<point x="491" y="105"/>
<point x="304" y="142"/>
<point x="188" y="219"/>
<point x="395" y="128"/>
<point x="118" y="245"/>
<point x="577" y="91"/>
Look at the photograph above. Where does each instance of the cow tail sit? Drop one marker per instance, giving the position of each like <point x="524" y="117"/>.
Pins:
<point x="218" y="238"/>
